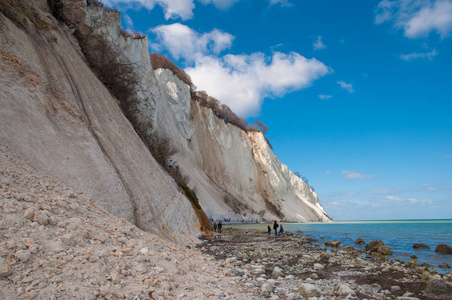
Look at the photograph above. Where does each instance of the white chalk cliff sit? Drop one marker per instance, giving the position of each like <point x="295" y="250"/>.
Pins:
<point x="56" y="113"/>
<point x="224" y="161"/>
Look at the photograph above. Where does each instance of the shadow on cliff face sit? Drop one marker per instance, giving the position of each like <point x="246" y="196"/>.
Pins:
<point x="236" y="205"/>
<point x="274" y="208"/>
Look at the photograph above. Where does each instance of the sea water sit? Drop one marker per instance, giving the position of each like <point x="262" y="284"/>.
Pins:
<point x="399" y="235"/>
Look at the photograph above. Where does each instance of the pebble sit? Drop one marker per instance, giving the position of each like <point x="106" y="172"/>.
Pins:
<point x="266" y="287"/>
<point x="395" y="288"/>
<point x="277" y="272"/>
<point x="22" y="255"/>
<point x="344" y="290"/>
<point x="29" y="214"/>
<point x="318" y="266"/>
<point x="5" y="269"/>
<point x="41" y="218"/>
<point x="309" y="290"/>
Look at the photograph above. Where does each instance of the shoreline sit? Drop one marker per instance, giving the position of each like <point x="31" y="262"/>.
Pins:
<point x="289" y="266"/>
<point x="400" y="240"/>
<point x="340" y="221"/>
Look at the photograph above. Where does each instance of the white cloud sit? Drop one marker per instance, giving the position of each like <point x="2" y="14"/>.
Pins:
<point x="427" y="202"/>
<point x="242" y="81"/>
<point x="328" y="172"/>
<point x="346" y="86"/>
<point x="418" y="18"/>
<point x="350" y="174"/>
<point x="282" y="2"/>
<point x="393" y="198"/>
<point x="172" y="8"/>
<point x="183" y="9"/>
<point x="183" y="42"/>
<point x="433" y="186"/>
<point x="221" y="4"/>
<point x="323" y="97"/>
<point x="415" y="55"/>
<point x="383" y="191"/>
<point x="128" y="21"/>
<point x="319" y="44"/>
<point x="148" y="4"/>
<point x="393" y="201"/>
<point x="388" y="202"/>
<point x="226" y="4"/>
<point x="412" y="200"/>
<point x="347" y="204"/>
<point x="177" y="8"/>
<point x="384" y="11"/>
<point x="428" y="19"/>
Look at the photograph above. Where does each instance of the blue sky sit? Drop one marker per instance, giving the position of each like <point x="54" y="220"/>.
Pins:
<point x="357" y="94"/>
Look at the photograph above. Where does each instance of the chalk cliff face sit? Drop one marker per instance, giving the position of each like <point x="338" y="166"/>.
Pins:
<point x="56" y="114"/>
<point x="235" y="174"/>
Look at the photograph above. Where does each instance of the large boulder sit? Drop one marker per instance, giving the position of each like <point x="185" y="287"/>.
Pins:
<point x="444" y="249"/>
<point x="373" y="245"/>
<point x="439" y="288"/>
<point x="335" y="244"/>
<point x="420" y="246"/>
<point x="349" y="248"/>
<point x="360" y="241"/>
<point x="385" y="250"/>
<point x="309" y="290"/>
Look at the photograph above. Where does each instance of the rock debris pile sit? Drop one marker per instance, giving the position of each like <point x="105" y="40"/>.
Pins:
<point x="56" y="244"/>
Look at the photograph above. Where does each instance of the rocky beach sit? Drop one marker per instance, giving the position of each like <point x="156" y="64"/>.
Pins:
<point x="296" y="267"/>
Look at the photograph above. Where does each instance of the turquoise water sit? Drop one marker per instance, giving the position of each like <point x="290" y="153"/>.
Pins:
<point x="399" y="235"/>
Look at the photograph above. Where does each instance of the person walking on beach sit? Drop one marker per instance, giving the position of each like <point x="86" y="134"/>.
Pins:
<point x="269" y="229"/>
<point x="275" y="227"/>
<point x="281" y="230"/>
<point x="215" y="226"/>
<point x="220" y="226"/>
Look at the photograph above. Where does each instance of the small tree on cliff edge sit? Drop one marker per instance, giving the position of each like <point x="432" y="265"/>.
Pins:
<point x="261" y="126"/>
